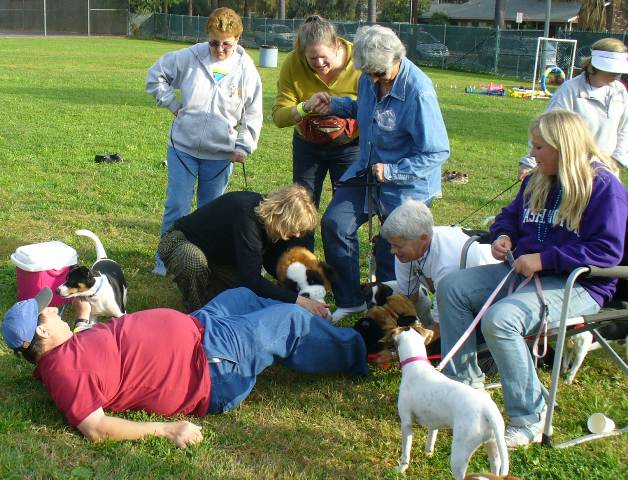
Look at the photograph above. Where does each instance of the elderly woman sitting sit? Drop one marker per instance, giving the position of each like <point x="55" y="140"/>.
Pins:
<point x="403" y="143"/>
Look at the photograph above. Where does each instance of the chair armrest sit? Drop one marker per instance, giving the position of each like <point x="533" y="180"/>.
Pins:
<point x="620" y="271"/>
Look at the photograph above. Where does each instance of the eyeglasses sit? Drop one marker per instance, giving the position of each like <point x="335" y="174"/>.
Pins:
<point x="312" y="18"/>
<point x="224" y="45"/>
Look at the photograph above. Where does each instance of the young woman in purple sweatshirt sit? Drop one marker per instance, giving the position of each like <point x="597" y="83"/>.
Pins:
<point x="570" y="212"/>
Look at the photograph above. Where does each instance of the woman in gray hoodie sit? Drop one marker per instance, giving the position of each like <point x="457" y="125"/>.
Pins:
<point x="217" y="119"/>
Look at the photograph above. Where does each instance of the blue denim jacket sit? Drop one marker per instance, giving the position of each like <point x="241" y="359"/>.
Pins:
<point x="404" y="130"/>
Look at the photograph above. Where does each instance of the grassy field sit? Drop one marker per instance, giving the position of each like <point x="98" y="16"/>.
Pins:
<point x="63" y="100"/>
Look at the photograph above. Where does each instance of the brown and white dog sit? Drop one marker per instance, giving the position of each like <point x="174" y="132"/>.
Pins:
<point x="376" y="293"/>
<point x="300" y="271"/>
<point x="435" y="401"/>
<point x="380" y="321"/>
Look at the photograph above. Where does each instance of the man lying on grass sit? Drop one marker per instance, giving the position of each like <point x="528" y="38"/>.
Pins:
<point x="166" y="362"/>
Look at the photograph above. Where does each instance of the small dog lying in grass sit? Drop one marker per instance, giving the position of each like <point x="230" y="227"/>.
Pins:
<point x="435" y="401"/>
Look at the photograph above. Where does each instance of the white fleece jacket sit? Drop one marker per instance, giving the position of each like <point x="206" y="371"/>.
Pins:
<point x="215" y="118"/>
<point x="604" y="109"/>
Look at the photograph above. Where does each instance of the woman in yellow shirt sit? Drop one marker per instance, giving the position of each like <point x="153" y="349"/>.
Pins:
<point x="320" y="62"/>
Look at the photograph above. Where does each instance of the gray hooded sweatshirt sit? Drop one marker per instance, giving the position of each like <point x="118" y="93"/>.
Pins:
<point x="215" y="118"/>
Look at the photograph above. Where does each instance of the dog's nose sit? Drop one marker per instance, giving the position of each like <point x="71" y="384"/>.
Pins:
<point x="58" y="290"/>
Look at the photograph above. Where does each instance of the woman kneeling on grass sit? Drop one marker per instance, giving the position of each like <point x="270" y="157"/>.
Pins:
<point x="556" y="224"/>
<point x="225" y="244"/>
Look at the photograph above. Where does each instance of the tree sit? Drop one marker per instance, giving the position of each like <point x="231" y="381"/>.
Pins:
<point x="332" y="9"/>
<point x="592" y="16"/>
<point x="439" y="18"/>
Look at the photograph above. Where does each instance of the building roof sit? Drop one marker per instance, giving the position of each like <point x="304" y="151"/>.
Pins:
<point x="533" y="10"/>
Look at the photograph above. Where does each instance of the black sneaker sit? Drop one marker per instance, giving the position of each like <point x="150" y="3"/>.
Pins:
<point x="108" y="158"/>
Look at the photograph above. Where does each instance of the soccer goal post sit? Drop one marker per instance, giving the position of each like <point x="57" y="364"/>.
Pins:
<point x="554" y="56"/>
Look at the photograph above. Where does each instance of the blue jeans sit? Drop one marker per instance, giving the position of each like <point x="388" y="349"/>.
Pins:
<point x="183" y="172"/>
<point x="249" y="334"/>
<point x="507" y="322"/>
<point x="310" y="164"/>
<point x="339" y="228"/>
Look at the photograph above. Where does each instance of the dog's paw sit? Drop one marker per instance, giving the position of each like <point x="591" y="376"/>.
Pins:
<point x="402" y="467"/>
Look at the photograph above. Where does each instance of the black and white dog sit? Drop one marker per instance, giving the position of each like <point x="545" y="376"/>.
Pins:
<point x="103" y="285"/>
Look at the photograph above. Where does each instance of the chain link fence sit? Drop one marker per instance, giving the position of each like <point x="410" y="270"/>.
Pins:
<point x="507" y="53"/>
<point x="64" y="17"/>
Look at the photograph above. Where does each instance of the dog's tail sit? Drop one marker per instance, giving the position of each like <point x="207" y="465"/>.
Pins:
<point x="100" y="249"/>
<point x="496" y="422"/>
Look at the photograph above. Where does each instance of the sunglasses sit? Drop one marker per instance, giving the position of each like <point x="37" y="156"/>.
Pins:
<point x="224" y="45"/>
<point x="312" y="18"/>
<point x="377" y="74"/>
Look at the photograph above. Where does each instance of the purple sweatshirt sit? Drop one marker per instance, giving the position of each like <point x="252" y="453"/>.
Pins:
<point x="600" y="241"/>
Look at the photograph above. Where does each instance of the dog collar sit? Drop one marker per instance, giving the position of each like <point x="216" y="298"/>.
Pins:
<point x="420" y="358"/>
<point x="97" y="288"/>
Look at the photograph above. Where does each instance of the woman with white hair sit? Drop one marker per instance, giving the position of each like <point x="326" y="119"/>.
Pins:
<point x="600" y="98"/>
<point x="403" y="143"/>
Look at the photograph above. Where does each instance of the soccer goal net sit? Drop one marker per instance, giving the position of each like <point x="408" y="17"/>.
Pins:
<point x="554" y="63"/>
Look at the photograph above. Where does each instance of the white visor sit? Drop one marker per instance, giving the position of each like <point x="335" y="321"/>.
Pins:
<point x="612" y="62"/>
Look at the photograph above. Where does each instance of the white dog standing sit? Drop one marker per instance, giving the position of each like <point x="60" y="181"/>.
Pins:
<point x="435" y="401"/>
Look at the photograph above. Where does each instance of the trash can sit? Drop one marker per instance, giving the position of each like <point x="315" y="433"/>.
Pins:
<point x="268" y="56"/>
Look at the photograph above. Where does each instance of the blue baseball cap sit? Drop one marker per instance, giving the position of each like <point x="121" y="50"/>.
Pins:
<point x="20" y="322"/>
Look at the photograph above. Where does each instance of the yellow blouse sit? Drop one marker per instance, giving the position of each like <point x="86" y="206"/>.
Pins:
<point x="298" y="82"/>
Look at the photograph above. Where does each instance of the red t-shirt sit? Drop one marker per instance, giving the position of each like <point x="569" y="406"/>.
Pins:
<point x="151" y="360"/>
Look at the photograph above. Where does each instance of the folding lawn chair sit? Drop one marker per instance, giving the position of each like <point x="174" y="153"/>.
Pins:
<point x="616" y="311"/>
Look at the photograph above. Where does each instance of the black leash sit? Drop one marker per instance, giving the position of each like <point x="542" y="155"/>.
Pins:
<point x="246" y="184"/>
<point x="487" y="203"/>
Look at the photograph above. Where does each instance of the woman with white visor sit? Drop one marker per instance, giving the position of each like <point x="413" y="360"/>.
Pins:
<point x="600" y="98"/>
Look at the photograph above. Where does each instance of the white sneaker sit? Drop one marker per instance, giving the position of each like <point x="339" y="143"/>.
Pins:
<point x="343" y="312"/>
<point x="522" y="436"/>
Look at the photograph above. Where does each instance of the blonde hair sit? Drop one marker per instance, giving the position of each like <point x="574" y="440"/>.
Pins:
<point x="287" y="212"/>
<point x="607" y="45"/>
<point x="224" y="21"/>
<point x="313" y="31"/>
<point x="569" y="135"/>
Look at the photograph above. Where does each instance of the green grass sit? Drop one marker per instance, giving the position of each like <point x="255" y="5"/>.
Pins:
<point x="66" y="99"/>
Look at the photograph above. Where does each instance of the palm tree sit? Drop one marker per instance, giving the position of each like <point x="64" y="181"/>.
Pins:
<point x="592" y="16"/>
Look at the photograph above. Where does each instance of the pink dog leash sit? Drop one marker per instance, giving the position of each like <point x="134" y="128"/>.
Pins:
<point x="474" y="323"/>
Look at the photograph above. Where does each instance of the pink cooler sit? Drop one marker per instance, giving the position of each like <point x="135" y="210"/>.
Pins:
<point x="42" y="265"/>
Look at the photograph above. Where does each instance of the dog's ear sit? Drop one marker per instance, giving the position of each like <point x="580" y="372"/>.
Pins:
<point x="426" y="333"/>
<point x="383" y="293"/>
